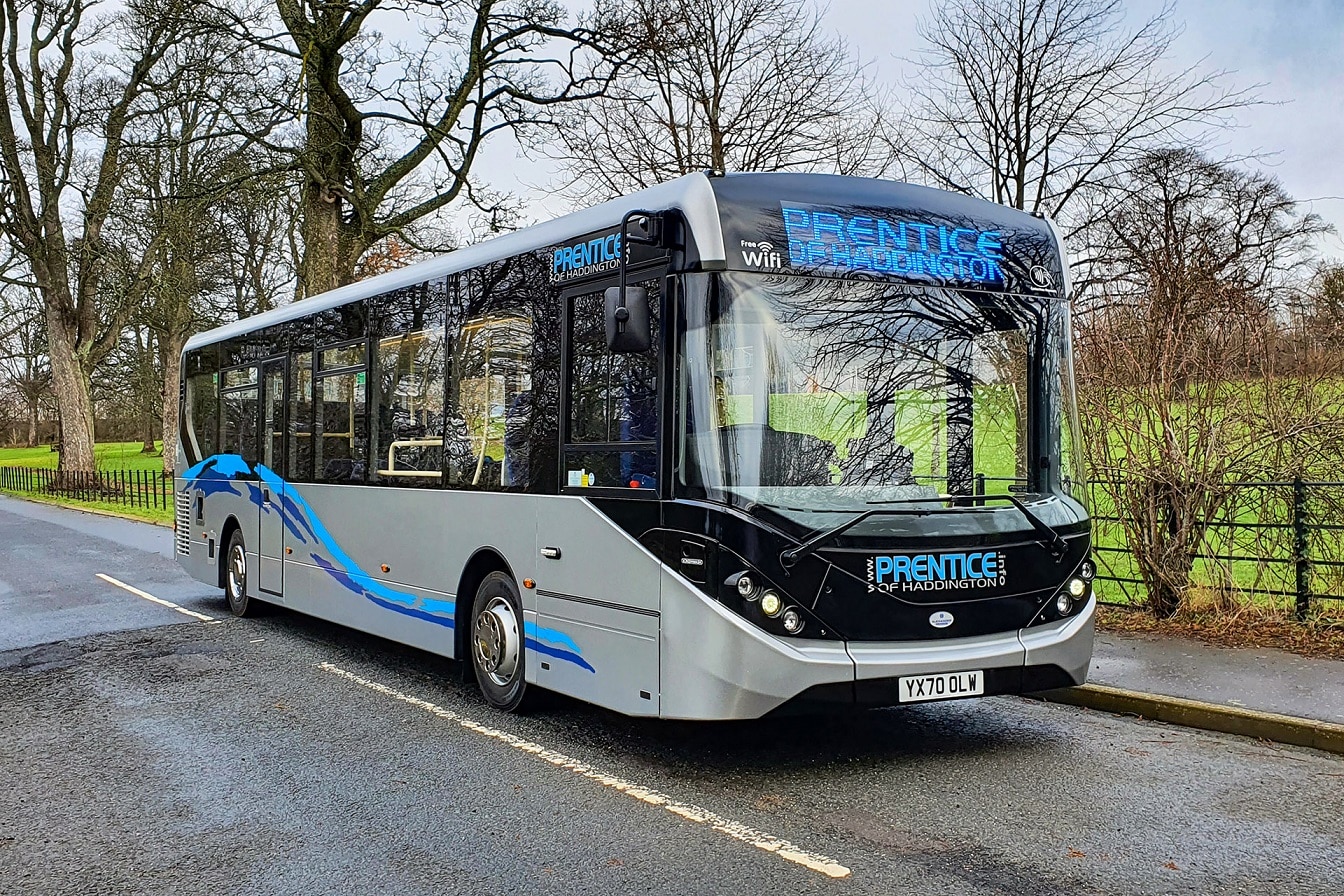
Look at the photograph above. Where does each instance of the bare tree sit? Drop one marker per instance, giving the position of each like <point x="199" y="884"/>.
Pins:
<point x="1043" y="104"/>
<point x="23" y="355"/>
<point x="64" y="120"/>
<point x="745" y="85"/>
<point x="1184" y="390"/>
<point x="388" y="133"/>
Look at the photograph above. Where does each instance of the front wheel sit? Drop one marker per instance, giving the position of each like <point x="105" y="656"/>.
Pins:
<point x="497" y="647"/>
<point x="235" y="578"/>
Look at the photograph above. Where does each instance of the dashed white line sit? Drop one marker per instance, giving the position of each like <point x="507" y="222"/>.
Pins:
<point x="158" y="600"/>
<point x="767" y="842"/>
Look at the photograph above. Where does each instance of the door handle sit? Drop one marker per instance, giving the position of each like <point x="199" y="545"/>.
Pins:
<point x="266" y="494"/>
<point x="551" y="553"/>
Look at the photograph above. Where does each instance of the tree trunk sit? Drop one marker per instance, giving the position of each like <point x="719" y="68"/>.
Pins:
<point x="74" y="399"/>
<point x="32" y="425"/>
<point x="147" y="421"/>
<point x="170" y="355"/>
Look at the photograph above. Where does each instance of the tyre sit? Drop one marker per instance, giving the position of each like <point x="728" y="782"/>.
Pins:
<point x="497" y="649"/>
<point x="235" y="578"/>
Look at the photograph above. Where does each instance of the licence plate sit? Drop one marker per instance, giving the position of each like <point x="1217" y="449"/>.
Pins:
<point x="914" y="688"/>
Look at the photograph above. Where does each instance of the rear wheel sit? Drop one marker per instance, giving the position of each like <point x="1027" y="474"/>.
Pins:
<point x="497" y="649"/>
<point x="235" y="578"/>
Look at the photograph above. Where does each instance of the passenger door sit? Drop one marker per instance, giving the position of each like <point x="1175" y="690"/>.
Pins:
<point x="271" y="528"/>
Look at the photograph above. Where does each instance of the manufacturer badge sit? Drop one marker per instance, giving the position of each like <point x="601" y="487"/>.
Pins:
<point x="941" y="619"/>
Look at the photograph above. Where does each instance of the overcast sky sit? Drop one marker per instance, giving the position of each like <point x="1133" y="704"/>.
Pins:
<point x="1295" y="48"/>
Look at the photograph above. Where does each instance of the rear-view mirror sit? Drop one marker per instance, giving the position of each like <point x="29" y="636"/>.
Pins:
<point x="627" y="314"/>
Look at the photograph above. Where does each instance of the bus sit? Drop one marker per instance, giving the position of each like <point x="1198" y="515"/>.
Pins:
<point x="728" y="446"/>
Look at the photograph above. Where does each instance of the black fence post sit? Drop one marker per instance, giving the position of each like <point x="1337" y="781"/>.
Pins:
<point x="1301" y="562"/>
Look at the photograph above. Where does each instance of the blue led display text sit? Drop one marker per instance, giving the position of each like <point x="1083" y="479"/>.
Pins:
<point x="594" y="256"/>
<point x="892" y="246"/>
<point x="935" y="567"/>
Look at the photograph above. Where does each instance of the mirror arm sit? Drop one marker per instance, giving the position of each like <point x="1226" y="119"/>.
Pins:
<point x="655" y="237"/>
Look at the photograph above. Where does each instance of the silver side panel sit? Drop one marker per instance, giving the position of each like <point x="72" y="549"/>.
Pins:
<point x="598" y="595"/>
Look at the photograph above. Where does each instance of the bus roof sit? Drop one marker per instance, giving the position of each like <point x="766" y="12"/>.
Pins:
<point x="813" y="222"/>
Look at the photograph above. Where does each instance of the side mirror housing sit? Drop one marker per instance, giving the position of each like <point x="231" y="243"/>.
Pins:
<point x="627" y="318"/>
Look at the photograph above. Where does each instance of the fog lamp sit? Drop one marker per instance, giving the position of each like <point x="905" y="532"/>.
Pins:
<point x="746" y="587"/>
<point x="793" y="622"/>
<point x="1063" y="603"/>
<point x="1077" y="587"/>
<point x="771" y="603"/>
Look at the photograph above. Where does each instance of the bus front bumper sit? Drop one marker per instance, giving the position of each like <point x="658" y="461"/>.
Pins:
<point x="1035" y="659"/>
<point x="716" y="665"/>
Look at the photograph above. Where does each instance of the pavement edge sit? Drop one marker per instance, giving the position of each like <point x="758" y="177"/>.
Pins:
<point x="1198" y="714"/>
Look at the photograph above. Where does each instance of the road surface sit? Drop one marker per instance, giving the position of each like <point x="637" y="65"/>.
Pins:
<point x="167" y="748"/>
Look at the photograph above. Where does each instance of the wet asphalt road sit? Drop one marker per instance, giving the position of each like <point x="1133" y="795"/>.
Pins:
<point x="145" y="751"/>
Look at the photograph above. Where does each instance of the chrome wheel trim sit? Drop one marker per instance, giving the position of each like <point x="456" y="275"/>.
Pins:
<point x="497" y="641"/>
<point x="237" y="573"/>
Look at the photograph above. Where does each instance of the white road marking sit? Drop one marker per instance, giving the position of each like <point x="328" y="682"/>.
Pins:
<point x="767" y="842"/>
<point x="158" y="600"/>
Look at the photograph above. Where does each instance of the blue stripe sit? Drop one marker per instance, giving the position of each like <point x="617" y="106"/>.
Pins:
<point x="218" y="473"/>
<point x="550" y="635"/>
<point x="559" y="654"/>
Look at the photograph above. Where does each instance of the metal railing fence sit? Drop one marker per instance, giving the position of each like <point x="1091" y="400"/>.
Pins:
<point x="130" y="488"/>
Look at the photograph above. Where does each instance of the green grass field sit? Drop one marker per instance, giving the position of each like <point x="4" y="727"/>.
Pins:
<point x="112" y="457"/>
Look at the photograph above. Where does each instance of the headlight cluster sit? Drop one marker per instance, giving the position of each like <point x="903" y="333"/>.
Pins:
<point x="1076" y="589"/>
<point x="768" y="601"/>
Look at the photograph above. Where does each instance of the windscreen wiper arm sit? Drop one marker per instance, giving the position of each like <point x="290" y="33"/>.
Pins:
<point x="793" y="555"/>
<point x="1052" y="541"/>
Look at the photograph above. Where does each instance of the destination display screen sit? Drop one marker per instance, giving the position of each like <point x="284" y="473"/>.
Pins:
<point x="889" y="244"/>
<point x="872" y="229"/>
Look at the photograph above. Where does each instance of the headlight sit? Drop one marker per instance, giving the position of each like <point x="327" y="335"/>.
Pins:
<point x="771" y="603"/>
<point x="1063" y="603"/>
<point x="1088" y="571"/>
<point x="1077" y="587"/>
<point x="746" y="587"/>
<point x="793" y="622"/>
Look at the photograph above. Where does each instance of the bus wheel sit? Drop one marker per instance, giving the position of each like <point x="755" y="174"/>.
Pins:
<point x="235" y="578"/>
<point x="497" y="642"/>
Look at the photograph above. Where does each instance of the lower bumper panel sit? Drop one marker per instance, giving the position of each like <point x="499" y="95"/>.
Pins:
<point x="874" y="692"/>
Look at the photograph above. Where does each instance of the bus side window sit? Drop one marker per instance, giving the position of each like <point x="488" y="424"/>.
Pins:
<point x="300" y="468"/>
<point x="203" y="414"/>
<point x="492" y="386"/>
<point x="240" y="423"/>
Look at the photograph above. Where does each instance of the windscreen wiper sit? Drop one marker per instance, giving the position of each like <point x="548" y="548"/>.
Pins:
<point x="1052" y="540"/>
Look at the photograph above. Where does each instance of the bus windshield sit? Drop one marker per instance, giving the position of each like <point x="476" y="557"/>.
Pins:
<point x="814" y="395"/>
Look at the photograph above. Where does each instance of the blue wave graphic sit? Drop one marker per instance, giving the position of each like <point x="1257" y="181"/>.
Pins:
<point x="224" y="472"/>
